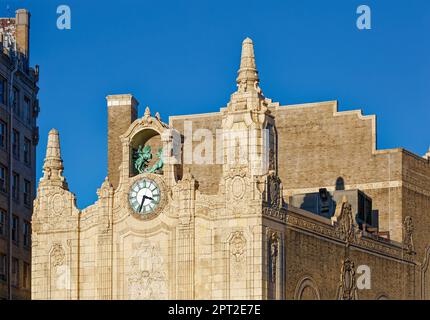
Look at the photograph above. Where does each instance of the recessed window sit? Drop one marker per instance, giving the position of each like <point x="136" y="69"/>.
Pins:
<point x="27" y="110"/>
<point x="2" y="222"/>
<point x="16" y="102"/>
<point x="27" y="192"/>
<point x="3" y="266"/>
<point x="15" y="186"/>
<point x="3" y="178"/>
<point x="15" y="228"/>
<point x="15" y="272"/>
<point x="15" y="144"/>
<point x="27" y="151"/>
<point x="3" y="134"/>
<point x="27" y="234"/>
<point x="3" y="93"/>
<point x="26" y="276"/>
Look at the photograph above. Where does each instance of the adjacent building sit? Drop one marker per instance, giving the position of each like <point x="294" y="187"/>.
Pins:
<point x="19" y="109"/>
<point x="253" y="201"/>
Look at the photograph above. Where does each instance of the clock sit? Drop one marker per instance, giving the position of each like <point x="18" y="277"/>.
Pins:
<point x="144" y="196"/>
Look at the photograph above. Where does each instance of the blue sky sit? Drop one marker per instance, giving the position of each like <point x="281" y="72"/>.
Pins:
<point x="181" y="57"/>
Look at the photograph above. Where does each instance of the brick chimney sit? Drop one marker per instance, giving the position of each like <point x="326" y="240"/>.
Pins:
<point x="22" y="23"/>
<point x="122" y="111"/>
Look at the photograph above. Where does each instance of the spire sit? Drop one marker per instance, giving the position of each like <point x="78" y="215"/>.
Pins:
<point x="53" y="165"/>
<point x="247" y="74"/>
<point x="248" y="95"/>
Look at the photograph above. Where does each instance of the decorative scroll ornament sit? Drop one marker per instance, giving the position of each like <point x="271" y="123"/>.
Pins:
<point x="408" y="230"/>
<point x="344" y="221"/>
<point x="347" y="286"/>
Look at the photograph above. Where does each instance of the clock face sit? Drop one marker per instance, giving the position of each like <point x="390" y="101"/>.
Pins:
<point x="144" y="196"/>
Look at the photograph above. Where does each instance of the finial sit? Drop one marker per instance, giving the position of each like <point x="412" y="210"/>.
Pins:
<point x="157" y="116"/>
<point x="248" y="74"/>
<point x="53" y="151"/>
<point x="147" y="112"/>
<point x="53" y="165"/>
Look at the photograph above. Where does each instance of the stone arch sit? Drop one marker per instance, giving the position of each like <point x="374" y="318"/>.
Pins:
<point x="145" y="137"/>
<point x="306" y="289"/>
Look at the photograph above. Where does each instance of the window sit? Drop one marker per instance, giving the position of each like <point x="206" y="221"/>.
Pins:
<point x="15" y="186"/>
<point x="27" y="151"/>
<point x="15" y="144"/>
<point x="3" y="267"/>
<point x="27" y="110"/>
<point x="27" y="234"/>
<point x="15" y="228"/>
<point x="3" y="134"/>
<point x="3" y="93"/>
<point x="3" y="178"/>
<point x="15" y="272"/>
<point x="2" y="222"/>
<point x="15" y="102"/>
<point x="26" y="276"/>
<point x="27" y="192"/>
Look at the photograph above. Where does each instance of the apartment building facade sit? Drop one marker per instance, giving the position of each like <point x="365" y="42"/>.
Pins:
<point x="19" y="108"/>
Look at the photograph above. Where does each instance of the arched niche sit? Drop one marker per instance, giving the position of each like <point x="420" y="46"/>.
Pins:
<point x="306" y="289"/>
<point x="146" y="139"/>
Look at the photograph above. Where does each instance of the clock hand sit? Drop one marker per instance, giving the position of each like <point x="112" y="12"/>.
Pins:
<point x="143" y="200"/>
<point x="141" y="203"/>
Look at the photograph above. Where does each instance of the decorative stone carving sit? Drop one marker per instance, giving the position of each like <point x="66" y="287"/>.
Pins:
<point x="274" y="188"/>
<point x="105" y="189"/>
<point x="344" y="221"/>
<point x="347" y="286"/>
<point x="58" y="204"/>
<point x="58" y="255"/>
<point x="237" y="245"/>
<point x="238" y="187"/>
<point x="408" y="230"/>
<point x="271" y="160"/>
<point x="274" y="252"/>
<point x="147" y="278"/>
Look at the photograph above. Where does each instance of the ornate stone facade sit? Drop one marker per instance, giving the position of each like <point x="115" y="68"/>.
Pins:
<point x="210" y="231"/>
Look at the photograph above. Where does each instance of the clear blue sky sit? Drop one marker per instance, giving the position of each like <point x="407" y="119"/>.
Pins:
<point x="181" y="57"/>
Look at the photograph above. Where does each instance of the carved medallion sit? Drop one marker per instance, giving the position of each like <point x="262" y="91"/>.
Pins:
<point x="58" y="204"/>
<point x="238" y="187"/>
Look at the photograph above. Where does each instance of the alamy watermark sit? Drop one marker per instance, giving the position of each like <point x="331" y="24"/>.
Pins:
<point x="222" y="146"/>
<point x="364" y="21"/>
<point x="64" y="20"/>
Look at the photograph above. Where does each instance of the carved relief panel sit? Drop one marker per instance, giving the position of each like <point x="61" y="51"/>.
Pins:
<point x="146" y="270"/>
<point x="237" y="265"/>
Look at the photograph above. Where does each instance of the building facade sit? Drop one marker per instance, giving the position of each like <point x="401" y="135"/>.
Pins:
<point x="255" y="201"/>
<point x="19" y="109"/>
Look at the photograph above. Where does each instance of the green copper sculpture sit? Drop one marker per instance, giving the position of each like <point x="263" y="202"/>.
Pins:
<point x="159" y="164"/>
<point x="143" y="155"/>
